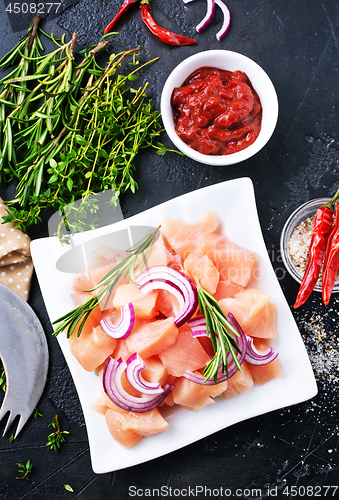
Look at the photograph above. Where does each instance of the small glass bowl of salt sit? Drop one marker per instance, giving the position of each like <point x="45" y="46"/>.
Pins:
<point x="295" y="240"/>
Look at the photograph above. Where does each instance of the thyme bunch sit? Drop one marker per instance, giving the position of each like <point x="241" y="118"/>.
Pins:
<point x="76" y="128"/>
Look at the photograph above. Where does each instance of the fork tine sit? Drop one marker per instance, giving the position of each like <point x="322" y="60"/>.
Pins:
<point x="3" y="410"/>
<point x="10" y="420"/>
<point x="23" y="419"/>
<point x="21" y="423"/>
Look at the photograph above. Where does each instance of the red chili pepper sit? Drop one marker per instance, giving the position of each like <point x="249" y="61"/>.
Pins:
<point x="162" y="34"/>
<point x="331" y="263"/>
<point x="125" y="6"/>
<point x="321" y="230"/>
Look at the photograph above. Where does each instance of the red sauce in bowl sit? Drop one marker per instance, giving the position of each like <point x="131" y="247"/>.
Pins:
<point x="217" y="112"/>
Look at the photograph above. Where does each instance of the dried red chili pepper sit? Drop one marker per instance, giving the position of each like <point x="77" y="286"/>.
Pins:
<point x="331" y="262"/>
<point x="162" y="34"/>
<point x="125" y="6"/>
<point x="321" y="230"/>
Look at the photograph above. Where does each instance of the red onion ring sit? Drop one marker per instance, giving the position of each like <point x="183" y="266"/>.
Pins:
<point x="113" y="387"/>
<point x="227" y="20"/>
<point x="124" y="327"/>
<point x="135" y="365"/>
<point x="198" y="326"/>
<point x="256" y="357"/>
<point x="208" y="17"/>
<point x="166" y="278"/>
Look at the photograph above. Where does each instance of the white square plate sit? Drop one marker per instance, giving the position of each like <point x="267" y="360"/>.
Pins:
<point x="234" y="203"/>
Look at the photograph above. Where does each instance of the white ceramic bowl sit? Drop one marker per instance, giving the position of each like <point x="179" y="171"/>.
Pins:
<point x="231" y="61"/>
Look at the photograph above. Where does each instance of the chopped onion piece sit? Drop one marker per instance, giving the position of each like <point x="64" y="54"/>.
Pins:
<point x="256" y="357"/>
<point x="198" y="326"/>
<point x="135" y="365"/>
<point x="166" y="278"/>
<point x="208" y="17"/>
<point x="113" y="372"/>
<point x="198" y="321"/>
<point x="124" y="327"/>
<point x="227" y="20"/>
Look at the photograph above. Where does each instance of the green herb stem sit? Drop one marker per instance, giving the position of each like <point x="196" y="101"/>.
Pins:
<point x="221" y="333"/>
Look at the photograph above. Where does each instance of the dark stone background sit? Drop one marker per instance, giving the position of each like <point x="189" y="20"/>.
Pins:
<point x="297" y="45"/>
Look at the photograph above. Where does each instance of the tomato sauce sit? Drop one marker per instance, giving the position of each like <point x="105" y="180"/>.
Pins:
<point x="217" y="112"/>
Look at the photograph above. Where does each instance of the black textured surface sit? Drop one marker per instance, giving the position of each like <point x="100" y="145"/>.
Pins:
<point x="297" y="44"/>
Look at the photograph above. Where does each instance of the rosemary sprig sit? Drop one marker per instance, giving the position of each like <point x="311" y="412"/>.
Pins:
<point x="221" y="333"/>
<point x="78" y="316"/>
<point x="55" y="439"/>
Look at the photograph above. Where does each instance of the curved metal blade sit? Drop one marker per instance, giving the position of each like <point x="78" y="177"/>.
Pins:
<point x="24" y="354"/>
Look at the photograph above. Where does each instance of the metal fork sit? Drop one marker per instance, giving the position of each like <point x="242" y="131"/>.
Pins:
<point x="24" y="355"/>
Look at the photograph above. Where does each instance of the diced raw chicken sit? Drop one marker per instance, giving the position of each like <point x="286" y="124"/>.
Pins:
<point x="103" y="402"/>
<point x="80" y="298"/>
<point x="265" y="323"/>
<point x="155" y="371"/>
<point x="251" y="309"/>
<point x="207" y="243"/>
<point x="203" y="269"/>
<point x="235" y="263"/>
<point x="122" y="350"/>
<point x="167" y="304"/>
<point x="182" y="236"/>
<point x="264" y="373"/>
<point x="160" y="255"/>
<point x="92" y="347"/>
<point x="144" y="304"/>
<point x="239" y="383"/>
<point x="227" y="289"/>
<point x="127" y="428"/>
<point x="224" y="269"/>
<point x="82" y="282"/>
<point x="209" y="221"/>
<point x="186" y="353"/>
<point x="195" y="396"/>
<point x="152" y="338"/>
<point x="104" y="255"/>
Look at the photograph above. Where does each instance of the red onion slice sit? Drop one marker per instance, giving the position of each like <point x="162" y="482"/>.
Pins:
<point x="256" y="357"/>
<point x="199" y="320"/>
<point x="208" y="17"/>
<point x="124" y="327"/>
<point x="198" y="326"/>
<point x="166" y="278"/>
<point x="227" y="20"/>
<point x="135" y="365"/>
<point x="113" y="387"/>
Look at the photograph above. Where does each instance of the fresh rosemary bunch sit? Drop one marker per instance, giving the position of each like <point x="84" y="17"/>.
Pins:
<point x="24" y="54"/>
<point x="78" y="316"/>
<point x="221" y="333"/>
